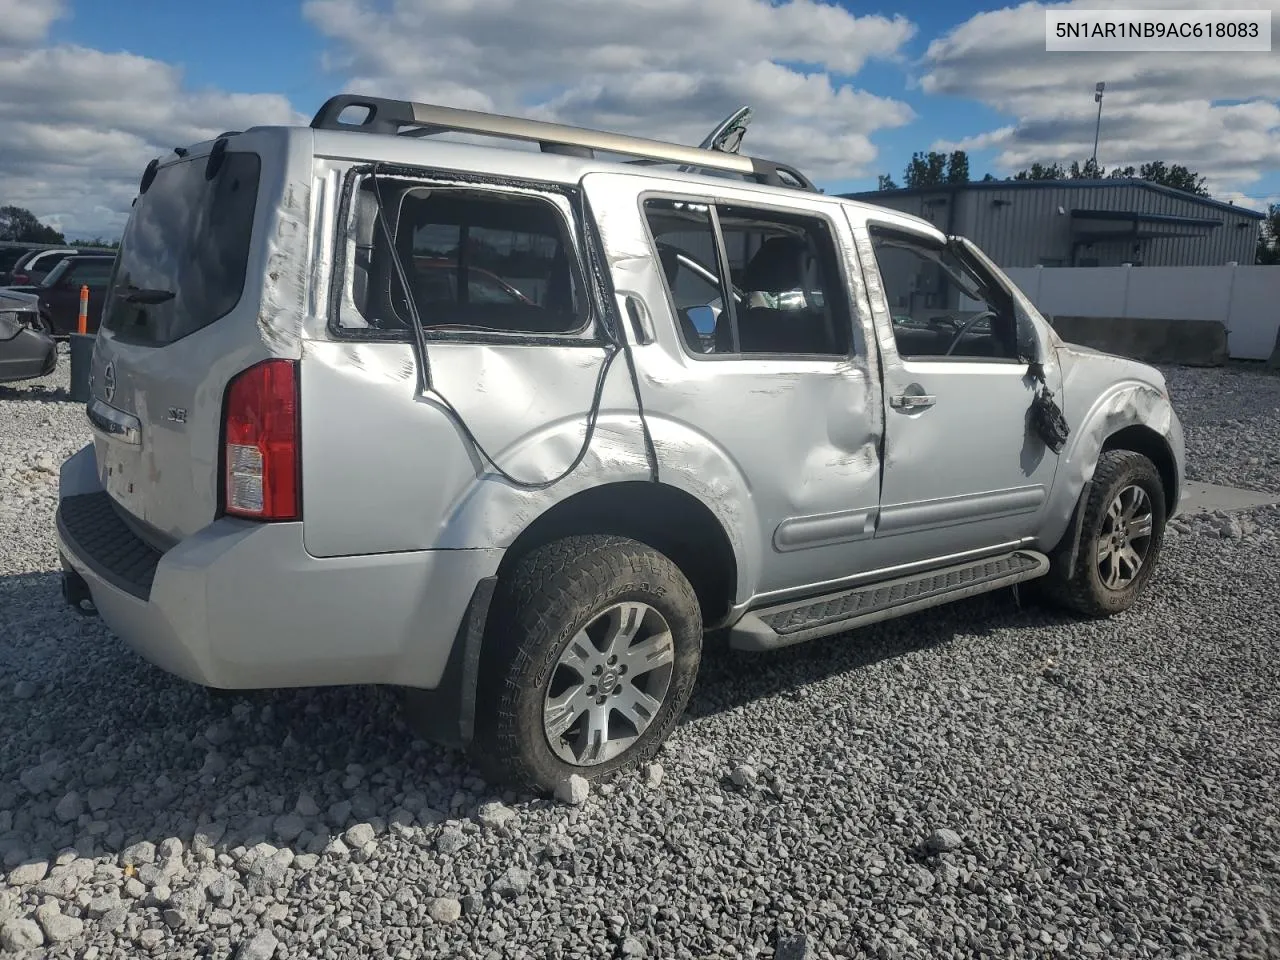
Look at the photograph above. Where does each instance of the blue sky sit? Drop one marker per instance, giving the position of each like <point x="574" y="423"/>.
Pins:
<point x="843" y="92"/>
<point x="283" y="53"/>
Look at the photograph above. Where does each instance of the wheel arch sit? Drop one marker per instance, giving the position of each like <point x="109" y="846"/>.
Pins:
<point x="1140" y="438"/>
<point x="666" y="518"/>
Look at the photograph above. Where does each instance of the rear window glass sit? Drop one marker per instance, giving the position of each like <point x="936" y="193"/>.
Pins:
<point x="182" y="259"/>
<point x="92" y="273"/>
<point x="475" y="260"/>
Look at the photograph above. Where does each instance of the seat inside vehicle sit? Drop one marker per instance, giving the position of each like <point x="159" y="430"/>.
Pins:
<point x="784" y="265"/>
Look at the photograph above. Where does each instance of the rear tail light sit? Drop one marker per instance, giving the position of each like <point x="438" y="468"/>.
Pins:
<point x="261" y="454"/>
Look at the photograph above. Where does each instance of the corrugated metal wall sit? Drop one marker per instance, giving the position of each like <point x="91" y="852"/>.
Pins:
<point x="1021" y="227"/>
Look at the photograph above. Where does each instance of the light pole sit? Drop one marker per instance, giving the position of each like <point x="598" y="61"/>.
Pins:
<point x="1097" y="96"/>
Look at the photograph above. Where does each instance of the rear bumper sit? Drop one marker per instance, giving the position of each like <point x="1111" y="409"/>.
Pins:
<point x="242" y="605"/>
<point x="29" y="355"/>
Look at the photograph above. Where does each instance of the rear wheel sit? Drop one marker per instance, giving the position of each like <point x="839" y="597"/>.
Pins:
<point x="1121" y="535"/>
<point x="589" y="662"/>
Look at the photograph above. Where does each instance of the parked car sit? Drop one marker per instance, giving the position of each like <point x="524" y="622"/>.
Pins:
<point x="10" y="254"/>
<point x="36" y="265"/>
<point x="26" y="352"/>
<point x="527" y="512"/>
<point x="59" y="292"/>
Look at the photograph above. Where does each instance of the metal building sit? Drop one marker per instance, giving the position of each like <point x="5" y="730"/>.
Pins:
<point x="1083" y="223"/>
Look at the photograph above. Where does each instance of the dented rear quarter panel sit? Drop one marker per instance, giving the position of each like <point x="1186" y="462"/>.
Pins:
<point x="387" y="467"/>
<point x="284" y="258"/>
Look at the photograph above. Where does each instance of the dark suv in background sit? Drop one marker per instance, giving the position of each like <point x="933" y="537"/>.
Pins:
<point x="59" y="291"/>
<point x="11" y="254"/>
<point x="36" y="265"/>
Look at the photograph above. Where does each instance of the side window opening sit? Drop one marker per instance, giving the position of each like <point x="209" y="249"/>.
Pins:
<point x="939" y="304"/>
<point x="475" y="259"/>
<point x="788" y="272"/>
<point x="686" y="249"/>
<point x="784" y="293"/>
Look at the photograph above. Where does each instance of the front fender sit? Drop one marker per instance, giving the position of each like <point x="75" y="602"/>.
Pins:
<point x="1127" y="403"/>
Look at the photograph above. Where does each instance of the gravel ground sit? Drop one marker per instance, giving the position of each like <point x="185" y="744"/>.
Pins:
<point x="983" y="780"/>
<point x="1230" y="417"/>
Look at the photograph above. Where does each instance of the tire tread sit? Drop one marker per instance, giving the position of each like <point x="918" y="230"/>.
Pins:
<point x="574" y="574"/>
<point x="1073" y="589"/>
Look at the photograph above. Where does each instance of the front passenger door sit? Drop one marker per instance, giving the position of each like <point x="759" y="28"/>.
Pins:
<point x="963" y="471"/>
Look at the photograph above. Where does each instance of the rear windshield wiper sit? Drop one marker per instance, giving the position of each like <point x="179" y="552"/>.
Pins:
<point x="132" y="294"/>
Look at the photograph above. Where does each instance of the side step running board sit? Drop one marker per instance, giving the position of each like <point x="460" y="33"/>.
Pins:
<point x="786" y="623"/>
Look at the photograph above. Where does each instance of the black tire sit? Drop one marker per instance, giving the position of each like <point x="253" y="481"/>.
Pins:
<point x="553" y="593"/>
<point x="1080" y="588"/>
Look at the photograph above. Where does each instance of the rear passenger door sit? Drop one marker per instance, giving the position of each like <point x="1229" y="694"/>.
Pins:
<point x="753" y="368"/>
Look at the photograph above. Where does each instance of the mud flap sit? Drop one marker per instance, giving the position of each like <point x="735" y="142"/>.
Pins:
<point x="447" y="713"/>
<point x="1077" y="524"/>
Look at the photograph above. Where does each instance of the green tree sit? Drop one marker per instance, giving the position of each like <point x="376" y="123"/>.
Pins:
<point x="885" y="182"/>
<point x="1173" y="175"/>
<point x="932" y="168"/>
<point x="1269" y="237"/>
<point x="1176" y="176"/>
<point x="1089" y="170"/>
<point x="926" y="169"/>
<point x="1038" y="171"/>
<point x="20" y="224"/>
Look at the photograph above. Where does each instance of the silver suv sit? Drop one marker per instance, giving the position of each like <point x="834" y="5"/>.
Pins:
<point x="512" y="429"/>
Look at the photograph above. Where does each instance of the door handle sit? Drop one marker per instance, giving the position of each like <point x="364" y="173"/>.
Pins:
<point x="638" y="314"/>
<point x="912" y="401"/>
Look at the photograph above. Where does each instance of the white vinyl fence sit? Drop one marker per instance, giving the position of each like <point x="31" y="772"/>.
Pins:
<point x="1245" y="299"/>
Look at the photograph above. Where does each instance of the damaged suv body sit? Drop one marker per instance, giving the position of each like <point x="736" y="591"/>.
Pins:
<point x="512" y="430"/>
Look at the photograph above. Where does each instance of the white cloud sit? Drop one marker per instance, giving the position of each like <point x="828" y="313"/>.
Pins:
<point x="27" y="21"/>
<point x="1181" y="108"/>
<point x="661" y="68"/>
<point x="80" y="124"/>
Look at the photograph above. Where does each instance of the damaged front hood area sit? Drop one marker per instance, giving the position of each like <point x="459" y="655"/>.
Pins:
<point x="1076" y="359"/>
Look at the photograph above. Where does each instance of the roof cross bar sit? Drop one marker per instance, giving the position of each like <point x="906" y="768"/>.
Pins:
<point x="404" y="117"/>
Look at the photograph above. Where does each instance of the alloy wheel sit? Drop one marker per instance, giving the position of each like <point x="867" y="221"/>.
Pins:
<point x="1125" y="540"/>
<point x="609" y="683"/>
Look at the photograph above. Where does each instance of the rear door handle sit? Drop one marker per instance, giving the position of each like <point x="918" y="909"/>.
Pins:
<point x="638" y="314"/>
<point x="912" y="401"/>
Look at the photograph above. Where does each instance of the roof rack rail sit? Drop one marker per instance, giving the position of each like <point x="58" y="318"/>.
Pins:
<point x="406" y="118"/>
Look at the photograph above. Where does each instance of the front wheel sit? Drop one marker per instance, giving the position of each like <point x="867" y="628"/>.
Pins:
<point x="589" y="662"/>
<point x="1121" y="535"/>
